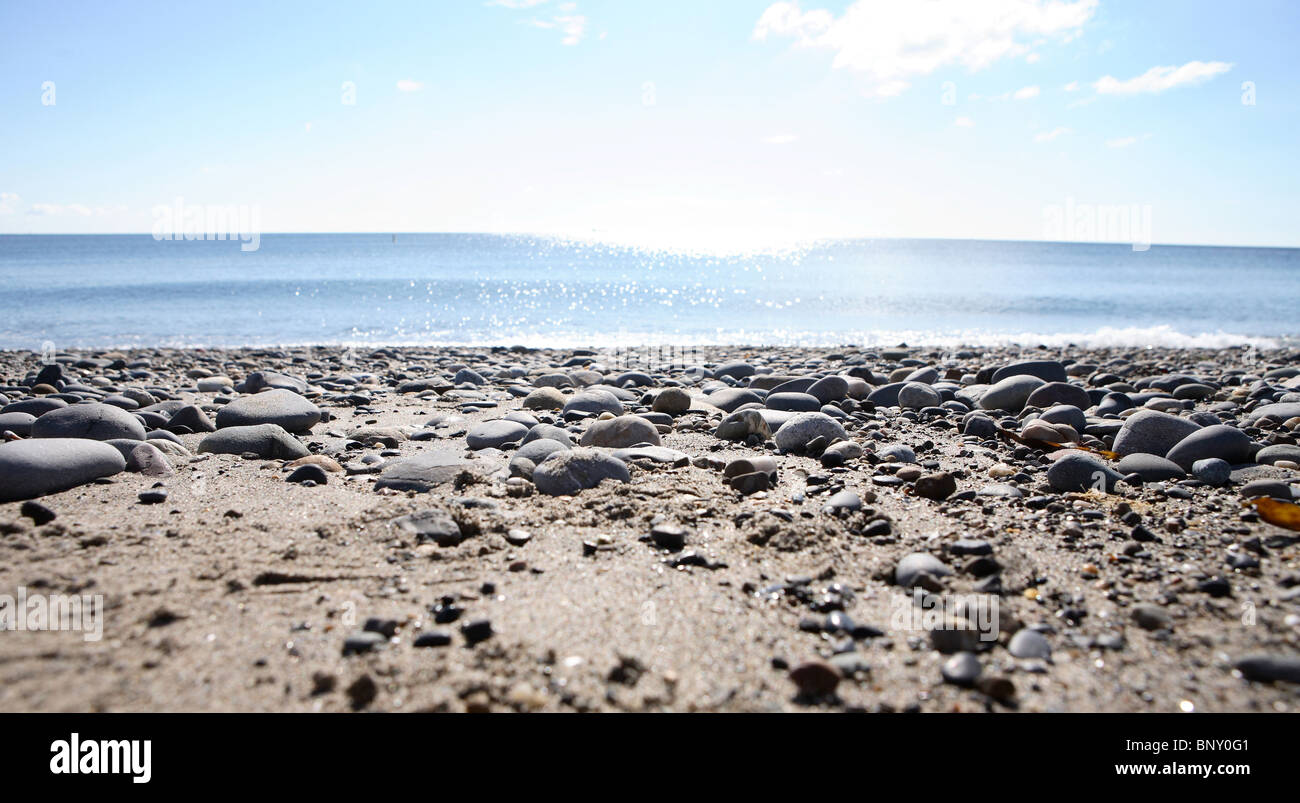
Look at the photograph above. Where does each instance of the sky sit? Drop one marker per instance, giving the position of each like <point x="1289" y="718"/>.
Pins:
<point x="681" y="124"/>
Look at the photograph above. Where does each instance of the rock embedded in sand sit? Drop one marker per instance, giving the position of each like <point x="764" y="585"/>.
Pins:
<point x="424" y="472"/>
<point x="95" y="421"/>
<point x="1054" y="393"/>
<point x="258" y="380"/>
<point x="280" y="407"/>
<point x="1266" y="668"/>
<point x="740" y="425"/>
<point x="621" y="432"/>
<point x="795" y="434"/>
<point x="1028" y="643"/>
<point x="1150" y="467"/>
<point x="916" y="396"/>
<point x="544" y="398"/>
<point x="673" y="401"/>
<point x="268" y="441"/>
<point x="569" y="472"/>
<point x="816" y="678"/>
<point x="32" y="468"/>
<point x="193" y="419"/>
<point x="910" y="568"/>
<point x="1211" y="471"/>
<point x="432" y="525"/>
<point x="728" y="399"/>
<point x="938" y="486"/>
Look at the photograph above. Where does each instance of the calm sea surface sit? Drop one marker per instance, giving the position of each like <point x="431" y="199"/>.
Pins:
<point x="123" y="290"/>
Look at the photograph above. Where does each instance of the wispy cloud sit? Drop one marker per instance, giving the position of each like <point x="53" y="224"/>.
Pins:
<point x="8" y="202"/>
<point x="79" y="210"/>
<point x="1026" y="93"/>
<point x="567" y="21"/>
<point x="1048" y="136"/>
<point x="891" y="43"/>
<point x="780" y="139"/>
<point x="1161" y="79"/>
<point x="1073" y="86"/>
<point x="407" y="85"/>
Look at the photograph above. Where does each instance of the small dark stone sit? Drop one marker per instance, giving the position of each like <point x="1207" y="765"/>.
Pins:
<point x="38" y="513"/>
<point x="433" y="638"/>
<point x="476" y="631"/>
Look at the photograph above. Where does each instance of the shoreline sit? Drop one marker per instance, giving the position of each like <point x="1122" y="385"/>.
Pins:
<point x="675" y="590"/>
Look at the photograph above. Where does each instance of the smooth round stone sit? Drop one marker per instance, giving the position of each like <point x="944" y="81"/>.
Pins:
<point x="1269" y="455"/>
<point x="531" y="454"/>
<point x="215" y="384"/>
<point x="1028" y="643"/>
<point x="1150" y="468"/>
<point x="673" y="401"/>
<point x="962" y="669"/>
<point x="728" y="399"/>
<point x="595" y="402"/>
<point x="911" y="567"/>
<point x="147" y="459"/>
<point x="1222" y="441"/>
<point x="36" y="407"/>
<point x="979" y="425"/>
<point x="1266" y="668"/>
<point x="32" y="468"/>
<point x="844" y="500"/>
<point x="192" y="418"/>
<point x="275" y="380"/>
<point x="494" y="434"/>
<point x="94" y="421"/>
<point x="794" y="435"/>
<point x="1152" y="432"/>
<point x="554" y="380"/>
<point x="1046" y="370"/>
<point x="283" y="408"/>
<point x="1067" y="414"/>
<point x="926" y="376"/>
<point x="1277" y="489"/>
<point x="1054" y="393"/>
<point x="829" y="389"/>
<point x="268" y="441"/>
<point x="17" y="423"/>
<point x="1193" y="390"/>
<point x="545" y="398"/>
<point x="896" y="453"/>
<point x="575" y="470"/>
<point x="1011" y="393"/>
<point x="308" y="473"/>
<point x="621" y="432"/>
<point x="548" y="432"/>
<point x="470" y="376"/>
<point x="842" y="452"/>
<point x="735" y="370"/>
<point x="886" y="395"/>
<point x="916" y="396"/>
<point x="1076" y="471"/>
<point x="520" y="417"/>
<point x="1114" y="403"/>
<point x="740" y="425"/>
<point x="795" y="402"/>
<point x="1277" y="412"/>
<point x="1211" y="471"/>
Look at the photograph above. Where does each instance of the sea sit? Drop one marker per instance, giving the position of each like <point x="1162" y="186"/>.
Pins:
<point x="118" y="291"/>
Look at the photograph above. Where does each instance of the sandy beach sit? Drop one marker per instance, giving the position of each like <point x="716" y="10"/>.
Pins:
<point x="334" y="543"/>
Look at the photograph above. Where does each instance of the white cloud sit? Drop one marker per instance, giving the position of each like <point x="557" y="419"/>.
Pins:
<point x="1124" y="142"/>
<point x="8" y="202"/>
<point x="891" y="42"/>
<point x="1032" y="58"/>
<point x="1048" y="136"/>
<point x="1072" y="86"/>
<point x="964" y="122"/>
<point x="1027" y="93"/>
<point x="780" y="139"/>
<point x="407" y="85"/>
<point x="1159" y="79"/>
<point x="568" y="22"/>
<point x="80" y="210"/>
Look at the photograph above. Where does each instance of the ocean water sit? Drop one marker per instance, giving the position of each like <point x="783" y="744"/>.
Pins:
<point x="479" y="289"/>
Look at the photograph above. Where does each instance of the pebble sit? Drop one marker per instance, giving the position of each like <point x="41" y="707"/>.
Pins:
<point x="962" y="669"/>
<point x="267" y="441"/>
<point x="621" y="432"/>
<point x="95" y="421"/>
<point x="284" y="408"/>
<point x="32" y="468"/>
<point x="795" y="434"/>
<point x="816" y="678"/>
<point x="910" y="568"/>
<point x="569" y="472"/>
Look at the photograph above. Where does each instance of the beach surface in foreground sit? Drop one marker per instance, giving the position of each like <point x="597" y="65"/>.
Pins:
<point x="719" y="529"/>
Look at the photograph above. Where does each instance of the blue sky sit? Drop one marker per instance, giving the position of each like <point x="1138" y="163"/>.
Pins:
<point x="677" y="123"/>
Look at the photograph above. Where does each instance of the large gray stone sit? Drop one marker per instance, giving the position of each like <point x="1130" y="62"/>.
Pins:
<point x="268" y="441"/>
<point x="1152" y="432"/>
<point x="1078" y="471"/>
<point x="32" y="468"/>
<point x="1151" y="468"/>
<point x="1011" y="393"/>
<point x="280" y="407"/>
<point x="794" y="435"/>
<point x="1221" y="441"/>
<point x="916" y="395"/>
<point x="95" y="421"/>
<point x="424" y="472"/>
<point x="729" y="399"/>
<point x="494" y="434"/>
<point x="621" y="432"/>
<point x="578" y="469"/>
<point x="1053" y="393"/>
<point x="594" y="401"/>
<point x="1046" y="370"/>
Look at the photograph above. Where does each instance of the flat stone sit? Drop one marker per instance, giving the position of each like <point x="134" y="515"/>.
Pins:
<point x="1152" y="432"/>
<point x="1011" y="393"/>
<point x="1046" y="370"/>
<point x="93" y="421"/>
<point x="911" y="567"/>
<point x="1077" y="471"/>
<point x="494" y="434"/>
<point x="281" y="407"/>
<point x="794" y="435"/>
<point x="594" y="401"/>
<point x="1221" y="441"/>
<point x="436" y="526"/>
<point x="1150" y="467"/>
<point x="424" y="472"/>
